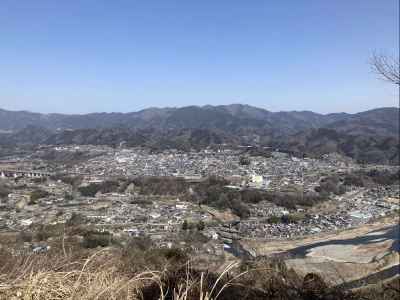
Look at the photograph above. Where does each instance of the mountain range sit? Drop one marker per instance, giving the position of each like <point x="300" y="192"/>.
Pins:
<point x="371" y="135"/>
<point x="232" y="117"/>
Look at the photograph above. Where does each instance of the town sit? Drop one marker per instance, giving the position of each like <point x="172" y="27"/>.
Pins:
<point x="58" y="186"/>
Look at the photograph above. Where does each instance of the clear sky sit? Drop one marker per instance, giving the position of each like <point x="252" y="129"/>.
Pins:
<point x="83" y="56"/>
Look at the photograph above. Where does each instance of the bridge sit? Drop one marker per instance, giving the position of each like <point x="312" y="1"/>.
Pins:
<point x="23" y="173"/>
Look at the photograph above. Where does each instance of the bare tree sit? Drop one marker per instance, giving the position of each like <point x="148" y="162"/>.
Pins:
<point x="387" y="67"/>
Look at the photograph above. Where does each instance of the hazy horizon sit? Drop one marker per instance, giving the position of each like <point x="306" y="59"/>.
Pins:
<point x="98" y="56"/>
<point x="201" y="106"/>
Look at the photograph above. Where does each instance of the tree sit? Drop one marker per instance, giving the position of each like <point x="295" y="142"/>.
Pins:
<point x="201" y="225"/>
<point x="90" y="190"/>
<point x="36" y="195"/>
<point x="4" y="191"/>
<point x="387" y="67"/>
<point x="185" y="225"/>
<point x="68" y="196"/>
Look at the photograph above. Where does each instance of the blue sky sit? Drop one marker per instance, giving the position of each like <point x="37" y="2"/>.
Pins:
<point x="94" y="55"/>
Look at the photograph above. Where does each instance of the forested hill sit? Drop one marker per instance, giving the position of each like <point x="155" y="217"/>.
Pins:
<point x="230" y="118"/>
<point x="370" y="136"/>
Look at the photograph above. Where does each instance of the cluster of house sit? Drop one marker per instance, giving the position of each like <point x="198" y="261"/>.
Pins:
<point x="161" y="217"/>
<point x="275" y="172"/>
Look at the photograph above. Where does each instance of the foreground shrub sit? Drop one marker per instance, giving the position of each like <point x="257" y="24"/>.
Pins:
<point x="99" y="276"/>
<point x="97" y="239"/>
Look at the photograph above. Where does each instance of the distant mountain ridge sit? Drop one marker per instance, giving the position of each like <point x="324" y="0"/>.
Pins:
<point x="370" y="136"/>
<point x="235" y="118"/>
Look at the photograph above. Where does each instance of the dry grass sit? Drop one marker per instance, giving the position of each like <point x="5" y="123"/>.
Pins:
<point x="106" y="274"/>
<point x="38" y="277"/>
<point x="97" y="277"/>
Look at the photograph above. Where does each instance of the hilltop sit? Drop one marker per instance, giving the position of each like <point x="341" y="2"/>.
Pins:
<point x="370" y="136"/>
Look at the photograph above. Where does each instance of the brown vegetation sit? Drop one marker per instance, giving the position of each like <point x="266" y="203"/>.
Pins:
<point x="106" y="274"/>
<point x="137" y="269"/>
